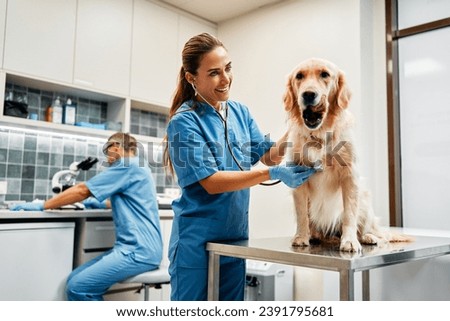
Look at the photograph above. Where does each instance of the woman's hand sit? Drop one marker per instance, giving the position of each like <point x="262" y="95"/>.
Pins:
<point x="291" y="175"/>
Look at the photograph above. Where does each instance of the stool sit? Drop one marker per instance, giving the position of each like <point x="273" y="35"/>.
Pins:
<point x="150" y="279"/>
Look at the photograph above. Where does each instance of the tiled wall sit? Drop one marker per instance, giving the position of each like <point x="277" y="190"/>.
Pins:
<point x="38" y="100"/>
<point x="29" y="159"/>
<point x="148" y="123"/>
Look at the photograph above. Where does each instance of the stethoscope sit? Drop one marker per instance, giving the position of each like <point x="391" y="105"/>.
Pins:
<point x="224" y="118"/>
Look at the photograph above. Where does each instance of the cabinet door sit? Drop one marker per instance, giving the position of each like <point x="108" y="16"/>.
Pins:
<point x="39" y="38"/>
<point x="103" y="42"/>
<point x="2" y="28"/>
<point x="36" y="260"/>
<point x="166" y="230"/>
<point x="154" y="67"/>
<point x="188" y="28"/>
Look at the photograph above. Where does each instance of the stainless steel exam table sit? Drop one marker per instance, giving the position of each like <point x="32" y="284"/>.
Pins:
<point x="325" y="257"/>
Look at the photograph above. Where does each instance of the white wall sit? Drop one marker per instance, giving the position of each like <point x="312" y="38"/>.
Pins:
<point x="266" y="45"/>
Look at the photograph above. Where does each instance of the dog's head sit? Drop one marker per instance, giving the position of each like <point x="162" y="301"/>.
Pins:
<point x="316" y="92"/>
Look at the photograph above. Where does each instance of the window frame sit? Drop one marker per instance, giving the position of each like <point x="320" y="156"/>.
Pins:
<point x="393" y="34"/>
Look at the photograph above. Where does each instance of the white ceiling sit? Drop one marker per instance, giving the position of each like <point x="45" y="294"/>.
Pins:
<point x="219" y="10"/>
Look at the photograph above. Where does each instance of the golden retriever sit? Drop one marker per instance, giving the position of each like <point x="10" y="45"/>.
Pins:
<point x="331" y="203"/>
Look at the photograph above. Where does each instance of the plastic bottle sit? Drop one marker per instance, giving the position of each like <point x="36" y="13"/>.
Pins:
<point x="69" y="112"/>
<point x="49" y="114"/>
<point x="54" y="112"/>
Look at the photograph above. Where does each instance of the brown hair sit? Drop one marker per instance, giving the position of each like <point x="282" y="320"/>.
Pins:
<point x="126" y="141"/>
<point x="192" y="54"/>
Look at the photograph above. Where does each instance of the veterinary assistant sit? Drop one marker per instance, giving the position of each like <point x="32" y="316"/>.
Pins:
<point x="128" y="185"/>
<point x="212" y="144"/>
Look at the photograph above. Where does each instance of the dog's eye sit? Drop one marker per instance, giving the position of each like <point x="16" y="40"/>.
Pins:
<point x="324" y="74"/>
<point x="299" y="76"/>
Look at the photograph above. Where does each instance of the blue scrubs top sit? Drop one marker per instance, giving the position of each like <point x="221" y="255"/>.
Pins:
<point x="129" y="186"/>
<point x="198" y="149"/>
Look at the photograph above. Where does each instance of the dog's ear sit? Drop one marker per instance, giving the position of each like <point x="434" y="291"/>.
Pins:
<point x="343" y="93"/>
<point x="289" y="98"/>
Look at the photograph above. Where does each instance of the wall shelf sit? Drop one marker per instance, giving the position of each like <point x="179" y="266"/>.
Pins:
<point x="118" y="107"/>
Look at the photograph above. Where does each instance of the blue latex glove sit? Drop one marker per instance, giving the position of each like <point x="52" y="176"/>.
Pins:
<point x="93" y="203"/>
<point x="291" y="175"/>
<point x="33" y="206"/>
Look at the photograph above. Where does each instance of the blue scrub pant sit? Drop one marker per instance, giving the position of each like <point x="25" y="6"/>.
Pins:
<point x="191" y="284"/>
<point x="91" y="280"/>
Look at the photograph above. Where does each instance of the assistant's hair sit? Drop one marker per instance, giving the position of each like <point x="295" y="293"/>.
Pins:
<point x="126" y="141"/>
<point x="192" y="54"/>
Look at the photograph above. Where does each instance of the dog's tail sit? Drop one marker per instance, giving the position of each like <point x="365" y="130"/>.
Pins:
<point x="371" y="228"/>
<point x="380" y="235"/>
<point x="393" y="237"/>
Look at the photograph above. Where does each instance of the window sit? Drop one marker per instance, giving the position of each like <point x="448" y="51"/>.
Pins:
<point x="419" y="112"/>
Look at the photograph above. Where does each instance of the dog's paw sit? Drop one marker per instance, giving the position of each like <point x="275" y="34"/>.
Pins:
<point x="300" y="241"/>
<point x="350" y="245"/>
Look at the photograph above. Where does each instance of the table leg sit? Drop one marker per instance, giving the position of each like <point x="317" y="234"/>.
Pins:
<point x="347" y="285"/>
<point x="366" y="285"/>
<point x="213" y="276"/>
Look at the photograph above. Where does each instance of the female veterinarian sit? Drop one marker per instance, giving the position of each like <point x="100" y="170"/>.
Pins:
<point x="212" y="142"/>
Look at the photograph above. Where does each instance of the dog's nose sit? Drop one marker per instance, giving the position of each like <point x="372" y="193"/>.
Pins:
<point x="309" y="97"/>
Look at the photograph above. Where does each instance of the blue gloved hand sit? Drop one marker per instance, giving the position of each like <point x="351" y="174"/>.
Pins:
<point x="93" y="203"/>
<point x="291" y="175"/>
<point x="32" y="206"/>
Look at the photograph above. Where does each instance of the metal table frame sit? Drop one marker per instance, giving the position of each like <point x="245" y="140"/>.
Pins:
<point x="325" y="257"/>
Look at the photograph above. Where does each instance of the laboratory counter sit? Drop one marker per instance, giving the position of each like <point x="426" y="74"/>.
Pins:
<point x="93" y="228"/>
<point x="8" y="216"/>
<point x="42" y="242"/>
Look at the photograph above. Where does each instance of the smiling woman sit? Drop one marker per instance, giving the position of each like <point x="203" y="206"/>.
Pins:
<point x="215" y="180"/>
<point x="213" y="84"/>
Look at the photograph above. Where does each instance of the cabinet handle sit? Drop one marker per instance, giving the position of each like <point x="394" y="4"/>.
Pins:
<point x="104" y="228"/>
<point x="83" y="82"/>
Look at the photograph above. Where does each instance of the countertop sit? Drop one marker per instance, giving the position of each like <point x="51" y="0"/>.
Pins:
<point x="164" y="212"/>
<point x="7" y="214"/>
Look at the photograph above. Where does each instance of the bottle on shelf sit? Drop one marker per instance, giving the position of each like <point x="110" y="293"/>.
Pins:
<point x="69" y="112"/>
<point x="54" y="112"/>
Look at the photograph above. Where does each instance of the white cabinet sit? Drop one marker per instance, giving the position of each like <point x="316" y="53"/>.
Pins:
<point x="154" y="63"/>
<point x="123" y="53"/>
<point x="156" y="54"/>
<point x="39" y="38"/>
<point x="103" y="45"/>
<point x="36" y="260"/>
<point x="2" y="28"/>
<point x="189" y="27"/>
<point x="166" y="228"/>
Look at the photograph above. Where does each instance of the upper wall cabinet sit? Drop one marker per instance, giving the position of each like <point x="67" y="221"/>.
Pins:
<point x="154" y="63"/>
<point x="102" y="46"/>
<point x="156" y="55"/>
<point x="2" y="28"/>
<point x="189" y="28"/>
<point x="125" y="53"/>
<point x="39" y="38"/>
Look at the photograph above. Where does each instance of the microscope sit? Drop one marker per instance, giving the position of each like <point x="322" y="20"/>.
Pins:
<point x="65" y="179"/>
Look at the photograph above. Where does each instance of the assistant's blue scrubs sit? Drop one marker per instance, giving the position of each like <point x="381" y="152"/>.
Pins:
<point x="138" y="248"/>
<point x="198" y="149"/>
